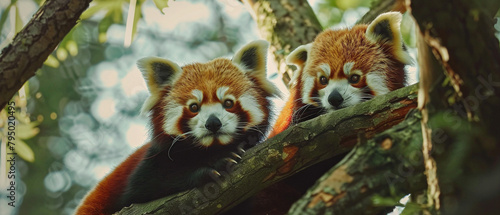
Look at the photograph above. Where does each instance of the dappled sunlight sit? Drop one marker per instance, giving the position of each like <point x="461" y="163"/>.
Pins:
<point x="136" y="134"/>
<point x="177" y="13"/>
<point x="104" y="108"/>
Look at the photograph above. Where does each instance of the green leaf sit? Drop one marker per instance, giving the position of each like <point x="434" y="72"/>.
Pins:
<point x="4" y="16"/>
<point x="160" y="4"/>
<point x="24" y="151"/>
<point x="137" y="17"/>
<point x="347" y="4"/>
<point x="411" y="208"/>
<point x="27" y="131"/>
<point x="51" y="61"/>
<point x="68" y="44"/>
<point x="72" y="47"/>
<point x="96" y="7"/>
<point x="61" y="54"/>
<point x="385" y="201"/>
<point x="19" y="23"/>
<point x="104" y="25"/>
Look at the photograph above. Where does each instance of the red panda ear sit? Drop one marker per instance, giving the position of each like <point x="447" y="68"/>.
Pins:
<point x="298" y="56"/>
<point x="252" y="59"/>
<point x="385" y="30"/>
<point x="158" y="73"/>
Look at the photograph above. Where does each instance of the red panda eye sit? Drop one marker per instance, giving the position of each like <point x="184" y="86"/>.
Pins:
<point x="194" y="108"/>
<point x="354" y="79"/>
<point x="228" y="104"/>
<point x="323" y="80"/>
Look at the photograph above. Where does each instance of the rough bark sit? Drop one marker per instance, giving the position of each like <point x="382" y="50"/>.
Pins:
<point x="388" y="165"/>
<point x="33" y="44"/>
<point x="465" y="138"/>
<point x="292" y="150"/>
<point x="462" y="159"/>
<point x="286" y="24"/>
<point x="462" y="38"/>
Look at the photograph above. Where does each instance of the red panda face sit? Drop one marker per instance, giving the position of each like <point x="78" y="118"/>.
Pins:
<point x="213" y="102"/>
<point x="210" y="102"/>
<point x="342" y="68"/>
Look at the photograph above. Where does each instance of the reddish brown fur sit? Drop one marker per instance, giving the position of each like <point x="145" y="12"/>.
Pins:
<point x="104" y="196"/>
<point x="337" y="47"/>
<point x="208" y="77"/>
<point x="172" y="88"/>
<point x="334" y="48"/>
<point x="293" y="103"/>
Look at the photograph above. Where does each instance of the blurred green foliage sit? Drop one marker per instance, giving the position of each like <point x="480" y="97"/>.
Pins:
<point x="330" y="12"/>
<point x="22" y="126"/>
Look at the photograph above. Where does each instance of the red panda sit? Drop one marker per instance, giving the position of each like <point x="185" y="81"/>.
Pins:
<point x="340" y="68"/>
<point x="201" y="114"/>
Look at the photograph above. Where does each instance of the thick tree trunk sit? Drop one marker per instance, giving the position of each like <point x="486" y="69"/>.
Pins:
<point x="286" y="24"/>
<point x="465" y="135"/>
<point x="292" y="150"/>
<point x="461" y="157"/>
<point x="33" y="44"/>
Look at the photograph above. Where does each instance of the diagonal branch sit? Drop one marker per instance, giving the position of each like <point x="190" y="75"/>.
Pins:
<point x="294" y="149"/>
<point x="34" y="43"/>
<point x="389" y="165"/>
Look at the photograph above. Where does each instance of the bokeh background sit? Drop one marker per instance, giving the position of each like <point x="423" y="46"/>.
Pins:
<point x="79" y="116"/>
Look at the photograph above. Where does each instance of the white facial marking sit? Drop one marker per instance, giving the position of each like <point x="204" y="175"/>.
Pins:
<point x="377" y="82"/>
<point x="206" y="141"/>
<point x="348" y="67"/>
<point x="173" y="113"/>
<point x="326" y="68"/>
<point x="198" y="94"/>
<point x="225" y="134"/>
<point x="225" y="139"/>
<point x="221" y="91"/>
<point x="350" y="94"/>
<point x="251" y="105"/>
<point x="307" y="89"/>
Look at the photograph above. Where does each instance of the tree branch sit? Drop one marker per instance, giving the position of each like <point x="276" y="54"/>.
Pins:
<point x="392" y="165"/>
<point x="286" y="24"/>
<point x="294" y="149"/>
<point x="387" y="166"/>
<point x="381" y="6"/>
<point x="33" y="44"/>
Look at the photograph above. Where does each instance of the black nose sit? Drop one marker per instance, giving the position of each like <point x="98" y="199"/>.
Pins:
<point x="213" y="124"/>
<point x="335" y="99"/>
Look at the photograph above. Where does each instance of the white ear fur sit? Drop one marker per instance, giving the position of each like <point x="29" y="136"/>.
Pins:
<point x="252" y="59"/>
<point x="158" y="73"/>
<point x="298" y="56"/>
<point x="385" y="29"/>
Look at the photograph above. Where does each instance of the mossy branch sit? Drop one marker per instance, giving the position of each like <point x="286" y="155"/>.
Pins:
<point x="294" y="149"/>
